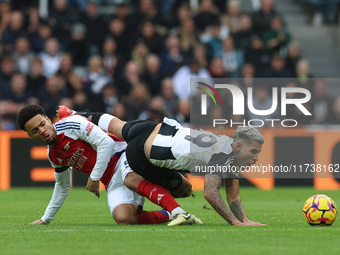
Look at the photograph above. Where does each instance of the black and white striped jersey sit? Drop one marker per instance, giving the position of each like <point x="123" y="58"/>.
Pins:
<point x="179" y="148"/>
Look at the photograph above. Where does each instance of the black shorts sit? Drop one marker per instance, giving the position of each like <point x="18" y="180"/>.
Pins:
<point x="135" y="133"/>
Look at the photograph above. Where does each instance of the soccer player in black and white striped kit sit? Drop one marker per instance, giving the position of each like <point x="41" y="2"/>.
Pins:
<point x="160" y="151"/>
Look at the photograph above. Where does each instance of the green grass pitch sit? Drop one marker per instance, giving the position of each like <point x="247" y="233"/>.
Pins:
<point x="84" y="226"/>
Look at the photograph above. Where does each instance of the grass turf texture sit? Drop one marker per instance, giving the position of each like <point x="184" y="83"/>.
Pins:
<point x="84" y="226"/>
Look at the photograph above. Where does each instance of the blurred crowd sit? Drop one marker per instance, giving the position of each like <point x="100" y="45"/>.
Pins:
<point x="134" y="58"/>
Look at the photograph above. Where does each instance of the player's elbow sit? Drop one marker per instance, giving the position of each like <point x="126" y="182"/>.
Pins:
<point x="233" y="197"/>
<point x="109" y="142"/>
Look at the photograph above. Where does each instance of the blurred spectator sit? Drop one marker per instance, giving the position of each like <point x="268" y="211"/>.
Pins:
<point x="248" y="75"/>
<point x="7" y="69"/>
<point x="18" y="93"/>
<point x="277" y="37"/>
<point x="216" y="68"/>
<point x="96" y="26"/>
<point x="231" y="20"/>
<point x="109" y="53"/>
<point x="277" y="69"/>
<point x="105" y="101"/>
<point x="13" y="100"/>
<point x="119" y="32"/>
<point x="242" y="37"/>
<point x="51" y="94"/>
<point x="60" y="18"/>
<point x="120" y="111"/>
<point x="22" y="55"/>
<point x="13" y="31"/>
<point x="293" y="56"/>
<point x="183" y="12"/>
<point x="151" y="76"/>
<point x="303" y="74"/>
<point x="262" y="18"/>
<point x="139" y="53"/>
<point x="33" y="20"/>
<point x="128" y="79"/>
<point x="171" y="57"/>
<point x="138" y="100"/>
<point x="5" y="15"/>
<point x="207" y="14"/>
<point x="80" y="101"/>
<point x="187" y="34"/>
<point x="256" y="55"/>
<point x="321" y="103"/>
<point x="148" y="10"/>
<point x="182" y="77"/>
<point x="200" y="54"/>
<point x="35" y="78"/>
<point x="78" y="47"/>
<point x="169" y="97"/>
<point x="96" y="77"/>
<point x="37" y="38"/>
<point x="155" y="111"/>
<point x="51" y="57"/>
<point x="183" y="113"/>
<point x="213" y="40"/>
<point x="123" y="12"/>
<point x="73" y="81"/>
<point x="233" y="59"/>
<point x="151" y="37"/>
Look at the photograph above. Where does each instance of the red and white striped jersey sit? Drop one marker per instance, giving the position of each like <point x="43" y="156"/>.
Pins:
<point x="84" y="146"/>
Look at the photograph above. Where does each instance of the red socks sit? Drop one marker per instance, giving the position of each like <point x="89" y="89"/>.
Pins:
<point x="157" y="195"/>
<point x="152" y="217"/>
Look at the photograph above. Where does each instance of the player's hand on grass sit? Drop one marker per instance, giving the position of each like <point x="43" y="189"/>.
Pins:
<point x="254" y="223"/>
<point x="38" y="222"/>
<point x="93" y="186"/>
<point x="248" y="223"/>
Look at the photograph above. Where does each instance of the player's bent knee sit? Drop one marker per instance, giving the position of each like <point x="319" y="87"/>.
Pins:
<point x="125" y="221"/>
<point x="125" y="214"/>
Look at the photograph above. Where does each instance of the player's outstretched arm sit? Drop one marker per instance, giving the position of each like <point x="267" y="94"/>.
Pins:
<point x="61" y="189"/>
<point x="212" y="184"/>
<point x="232" y="187"/>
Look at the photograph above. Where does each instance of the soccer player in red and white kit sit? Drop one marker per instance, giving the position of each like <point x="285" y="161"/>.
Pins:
<point x="75" y="142"/>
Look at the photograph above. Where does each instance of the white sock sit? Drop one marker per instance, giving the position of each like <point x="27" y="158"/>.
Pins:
<point x="170" y="216"/>
<point x="104" y="121"/>
<point x="177" y="210"/>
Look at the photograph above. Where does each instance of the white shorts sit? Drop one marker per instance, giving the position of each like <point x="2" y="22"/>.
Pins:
<point x="117" y="192"/>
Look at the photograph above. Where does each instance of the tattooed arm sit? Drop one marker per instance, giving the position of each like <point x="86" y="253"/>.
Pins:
<point x="212" y="183"/>
<point x="232" y="187"/>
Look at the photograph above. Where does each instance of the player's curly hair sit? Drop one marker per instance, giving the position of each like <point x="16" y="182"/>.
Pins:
<point x="249" y="134"/>
<point x="27" y="113"/>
